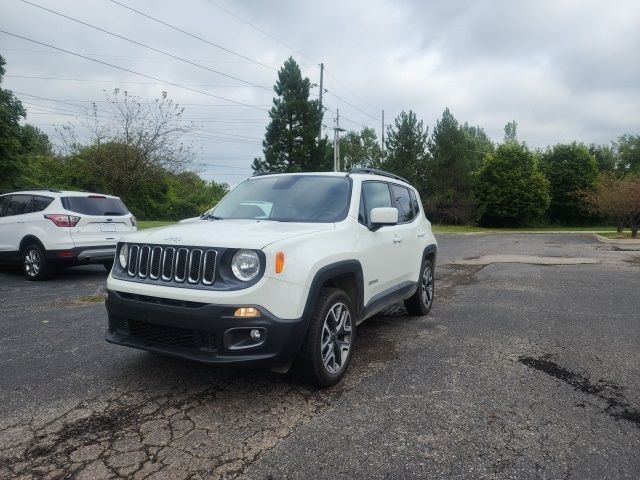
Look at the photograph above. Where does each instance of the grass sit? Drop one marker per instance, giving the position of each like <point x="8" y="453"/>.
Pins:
<point x="143" y="224"/>
<point x="615" y="235"/>
<point x="472" y="229"/>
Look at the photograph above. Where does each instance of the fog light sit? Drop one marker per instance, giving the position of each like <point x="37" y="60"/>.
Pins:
<point x="246" y="312"/>
<point x="255" y="335"/>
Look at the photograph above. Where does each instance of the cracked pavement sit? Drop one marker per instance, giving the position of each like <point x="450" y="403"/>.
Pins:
<point x="520" y="371"/>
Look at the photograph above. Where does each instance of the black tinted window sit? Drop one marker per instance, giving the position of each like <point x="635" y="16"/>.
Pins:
<point x="19" y="205"/>
<point x="4" y="203"/>
<point x="40" y="203"/>
<point x="415" y="208"/>
<point x="95" y="205"/>
<point x="403" y="203"/>
<point x="375" y="195"/>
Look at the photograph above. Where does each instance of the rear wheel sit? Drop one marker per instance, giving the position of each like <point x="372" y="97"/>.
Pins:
<point x="326" y="351"/>
<point x="420" y="303"/>
<point x="34" y="263"/>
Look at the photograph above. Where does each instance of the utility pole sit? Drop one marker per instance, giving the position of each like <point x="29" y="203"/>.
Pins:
<point x="320" y="98"/>
<point x="382" y="136"/>
<point x="336" y="142"/>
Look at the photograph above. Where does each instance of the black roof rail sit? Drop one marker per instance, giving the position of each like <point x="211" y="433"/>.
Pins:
<point x="37" y="190"/>
<point x="375" y="171"/>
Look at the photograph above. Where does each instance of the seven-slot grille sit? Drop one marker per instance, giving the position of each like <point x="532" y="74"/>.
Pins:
<point x="172" y="264"/>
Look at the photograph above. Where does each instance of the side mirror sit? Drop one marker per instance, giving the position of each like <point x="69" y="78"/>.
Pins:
<point x="382" y="216"/>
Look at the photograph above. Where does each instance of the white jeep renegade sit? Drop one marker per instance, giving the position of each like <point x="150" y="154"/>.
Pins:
<point x="279" y="274"/>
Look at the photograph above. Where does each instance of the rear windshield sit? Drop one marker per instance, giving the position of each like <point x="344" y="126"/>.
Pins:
<point x="95" y="205"/>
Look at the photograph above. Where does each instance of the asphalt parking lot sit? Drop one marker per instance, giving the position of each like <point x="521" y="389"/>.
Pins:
<point x="527" y="367"/>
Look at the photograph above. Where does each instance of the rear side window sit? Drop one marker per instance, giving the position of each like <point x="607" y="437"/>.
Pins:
<point x="95" y="205"/>
<point x="374" y="195"/>
<point x="4" y="202"/>
<point x="403" y="203"/>
<point x="415" y="207"/>
<point x="18" y="205"/>
<point x="40" y="202"/>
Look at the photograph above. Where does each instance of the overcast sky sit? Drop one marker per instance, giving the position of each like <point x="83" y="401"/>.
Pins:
<point x="564" y="70"/>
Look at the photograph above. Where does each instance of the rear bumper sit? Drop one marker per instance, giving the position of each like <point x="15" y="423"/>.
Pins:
<point x="82" y="255"/>
<point x="202" y="332"/>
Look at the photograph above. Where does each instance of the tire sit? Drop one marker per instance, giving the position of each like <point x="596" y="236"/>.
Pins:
<point x="321" y="366"/>
<point x="34" y="263"/>
<point x="420" y="303"/>
<point x="108" y="266"/>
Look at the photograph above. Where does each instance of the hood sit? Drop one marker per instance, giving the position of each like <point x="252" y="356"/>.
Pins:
<point x="226" y="233"/>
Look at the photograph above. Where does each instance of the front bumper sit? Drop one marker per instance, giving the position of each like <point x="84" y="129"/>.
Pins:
<point x="202" y="332"/>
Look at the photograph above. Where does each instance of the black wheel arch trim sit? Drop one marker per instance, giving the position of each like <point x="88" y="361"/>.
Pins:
<point x="328" y="272"/>
<point x="430" y="250"/>
<point x="28" y="240"/>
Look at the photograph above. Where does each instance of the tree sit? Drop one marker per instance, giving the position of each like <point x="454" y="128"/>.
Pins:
<point x="11" y="112"/>
<point x="450" y="173"/>
<point x="511" y="189"/>
<point x="132" y="143"/>
<point x="360" y="149"/>
<point x="511" y="132"/>
<point x="628" y="147"/>
<point x="290" y="143"/>
<point x="571" y="171"/>
<point x="617" y="199"/>
<point x="477" y="145"/>
<point x="605" y="156"/>
<point x="406" y="153"/>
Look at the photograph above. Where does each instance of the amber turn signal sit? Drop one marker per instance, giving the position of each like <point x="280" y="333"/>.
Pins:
<point x="246" y="312"/>
<point x="279" y="262"/>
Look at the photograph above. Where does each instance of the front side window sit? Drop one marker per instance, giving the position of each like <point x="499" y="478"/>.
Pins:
<point x="374" y="195"/>
<point x="291" y="198"/>
<point x="19" y="205"/>
<point x="4" y="203"/>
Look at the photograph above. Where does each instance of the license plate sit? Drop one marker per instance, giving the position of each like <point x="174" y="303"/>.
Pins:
<point x="107" y="227"/>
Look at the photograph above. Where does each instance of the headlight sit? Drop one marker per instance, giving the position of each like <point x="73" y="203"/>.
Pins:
<point x="245" y="265"/>
<point x="123" y="255"/>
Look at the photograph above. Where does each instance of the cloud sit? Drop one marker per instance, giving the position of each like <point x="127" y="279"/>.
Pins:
<point x="563" y="70"/>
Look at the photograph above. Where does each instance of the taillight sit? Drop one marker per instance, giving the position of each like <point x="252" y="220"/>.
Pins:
<point x="134" y="222"/>
<point x="63" y="220"/>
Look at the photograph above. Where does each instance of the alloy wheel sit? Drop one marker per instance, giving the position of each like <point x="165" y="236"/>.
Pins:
<point x="336" y="338"/>
<point x="427" y="286"/>
<point x="32" y="262"/>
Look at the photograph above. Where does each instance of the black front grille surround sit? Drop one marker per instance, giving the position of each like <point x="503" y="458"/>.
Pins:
<point x="194" y="267"/>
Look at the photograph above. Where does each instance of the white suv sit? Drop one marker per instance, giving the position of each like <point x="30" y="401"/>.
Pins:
<point x="45" y="229"/>
<point x="279" y="274"/>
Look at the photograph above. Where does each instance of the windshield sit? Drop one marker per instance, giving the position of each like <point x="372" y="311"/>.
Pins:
<point x="291" y="198"/>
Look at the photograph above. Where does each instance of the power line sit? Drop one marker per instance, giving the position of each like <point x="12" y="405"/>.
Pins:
<point x="132" y="71"/>
<point x="192" y="35"/>
<point x="36" y="77"/>
<point x="142" y="57"/>
<point x="175" y="57"/>
<point x="352" y="105"/>
<point x="255" y="27"/>
<point x="350" y="92"/>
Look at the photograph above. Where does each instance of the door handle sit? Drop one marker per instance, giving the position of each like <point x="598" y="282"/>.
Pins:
<point x="397" y="239"/>
<point x="421" y="234"/>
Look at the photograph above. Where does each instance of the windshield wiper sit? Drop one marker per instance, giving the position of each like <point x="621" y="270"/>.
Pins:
<point x="212" y="217"/>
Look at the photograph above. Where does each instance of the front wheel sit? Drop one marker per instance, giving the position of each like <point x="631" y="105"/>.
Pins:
<point x="420" y="303"/>
<point x="326" y="351"/>
<point x="34" y="263"/>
